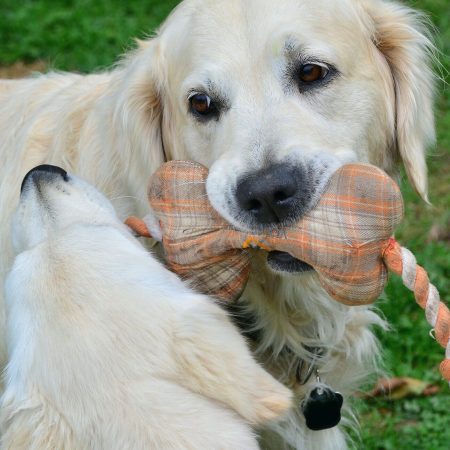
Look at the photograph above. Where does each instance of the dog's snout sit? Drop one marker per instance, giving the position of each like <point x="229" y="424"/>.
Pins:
<point x="271" y="195"/>
<point x="44" y="171"/>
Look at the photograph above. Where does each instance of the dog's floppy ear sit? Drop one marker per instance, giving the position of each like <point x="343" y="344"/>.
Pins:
<point x="139" y="83"/>
<point x="401" y="35"/>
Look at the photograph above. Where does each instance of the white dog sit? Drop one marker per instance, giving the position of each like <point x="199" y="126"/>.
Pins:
<point x="272" y="96"/>
<point x="108" y="349"/>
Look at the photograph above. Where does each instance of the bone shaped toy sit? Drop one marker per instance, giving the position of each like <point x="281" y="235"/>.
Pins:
<point x="346" y="238"/>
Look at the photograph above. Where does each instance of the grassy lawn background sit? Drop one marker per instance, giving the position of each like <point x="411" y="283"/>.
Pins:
<point x="89" y="35"/>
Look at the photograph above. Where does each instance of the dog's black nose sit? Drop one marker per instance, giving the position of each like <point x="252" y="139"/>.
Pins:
<point x="44" y="170"/>
<point x="273" y="195"/>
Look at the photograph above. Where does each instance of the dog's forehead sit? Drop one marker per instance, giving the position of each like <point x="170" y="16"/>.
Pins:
<point x="245" y="29"/>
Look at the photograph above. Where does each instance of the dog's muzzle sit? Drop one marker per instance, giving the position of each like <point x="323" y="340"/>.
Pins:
<point x="277" y="195"/>
<point x="43" y="172"/>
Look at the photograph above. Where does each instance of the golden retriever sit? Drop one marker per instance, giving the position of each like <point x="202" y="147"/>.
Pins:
<point x="107" y="348"/>
<point x="272" y="97"/>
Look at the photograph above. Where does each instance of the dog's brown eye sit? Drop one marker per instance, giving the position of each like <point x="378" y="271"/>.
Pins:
<point x="200" y="104"/>
<point x="312" y="72"/>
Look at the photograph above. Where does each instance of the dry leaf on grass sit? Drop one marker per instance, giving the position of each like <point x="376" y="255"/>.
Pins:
<point x="438" y="233"/>
<point x="401" y="387"/>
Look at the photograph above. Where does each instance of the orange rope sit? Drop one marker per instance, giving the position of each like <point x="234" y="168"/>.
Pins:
<point x="402" y="262"/>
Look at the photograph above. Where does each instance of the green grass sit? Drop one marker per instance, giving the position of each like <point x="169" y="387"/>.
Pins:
<point x="88" y="35"/>
<point x="76" y="35"/>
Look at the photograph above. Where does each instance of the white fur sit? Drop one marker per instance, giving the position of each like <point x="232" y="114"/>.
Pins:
<point x="116" y="128"/>
<point x="108" y="349"/>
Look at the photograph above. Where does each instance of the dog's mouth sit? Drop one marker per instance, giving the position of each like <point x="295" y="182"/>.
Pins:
<point x="284" y="262"/>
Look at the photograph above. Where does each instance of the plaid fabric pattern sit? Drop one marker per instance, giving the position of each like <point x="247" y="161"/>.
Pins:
<point x="194" y="234"/>
<point x="342" y="237"/>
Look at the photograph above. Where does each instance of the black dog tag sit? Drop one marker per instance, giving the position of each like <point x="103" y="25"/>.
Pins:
<point x="322" y="409"/>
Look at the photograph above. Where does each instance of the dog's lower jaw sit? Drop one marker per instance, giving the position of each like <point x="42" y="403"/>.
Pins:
<point x="287" y="315"/>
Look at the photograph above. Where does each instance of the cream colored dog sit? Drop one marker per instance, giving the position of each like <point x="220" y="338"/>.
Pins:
<point x="107" y="348"/>
<point x="272" y="96"/>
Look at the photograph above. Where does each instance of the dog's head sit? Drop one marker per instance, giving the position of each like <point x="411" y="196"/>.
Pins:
<point x="274" y="96"/>
<point x="52" y="200"/>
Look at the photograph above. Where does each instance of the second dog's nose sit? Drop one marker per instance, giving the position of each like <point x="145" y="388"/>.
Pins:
<point x="44" y="170"/>
<point x="272" y="195"/>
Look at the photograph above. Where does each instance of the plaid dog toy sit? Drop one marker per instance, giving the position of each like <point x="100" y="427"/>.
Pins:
<point x="346" y="238"/>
